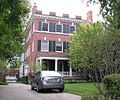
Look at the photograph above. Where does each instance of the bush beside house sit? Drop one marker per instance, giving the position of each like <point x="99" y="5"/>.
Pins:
<point x="112" y="86"/>
<point x="23" y="79"/>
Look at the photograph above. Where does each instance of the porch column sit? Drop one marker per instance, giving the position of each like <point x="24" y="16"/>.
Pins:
<point x="56" y="60"/>
<point x="70" y="71"/>
<point x="38" y="63"/>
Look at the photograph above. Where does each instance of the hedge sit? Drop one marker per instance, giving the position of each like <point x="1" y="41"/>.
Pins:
<point x="112" y="86"/>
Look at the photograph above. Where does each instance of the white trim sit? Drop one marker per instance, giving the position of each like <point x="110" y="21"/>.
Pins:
<point x="57" y="33"/>
<point x="53" y="58"/>
<point x="56" y="63"/>
<point x="59" y="18"/>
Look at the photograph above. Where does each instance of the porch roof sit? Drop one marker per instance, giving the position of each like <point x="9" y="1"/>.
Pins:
<point x="59" y="56"/>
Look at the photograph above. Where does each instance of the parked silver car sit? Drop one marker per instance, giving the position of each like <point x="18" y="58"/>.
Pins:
<point x="47" y="80"/>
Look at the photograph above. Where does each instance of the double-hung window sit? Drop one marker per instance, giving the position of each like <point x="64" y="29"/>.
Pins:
<point x="44" y="45"/>
<point x="72" y="29"/>
<point x="44" y="26"/>
<point x="65" y="28"/>
<point x="59" y="46"/>
<point x="59" y="28"/>
<point x="51" y="27"/>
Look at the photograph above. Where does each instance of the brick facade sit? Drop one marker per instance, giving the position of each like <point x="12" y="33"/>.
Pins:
<point x="34" y="33"/>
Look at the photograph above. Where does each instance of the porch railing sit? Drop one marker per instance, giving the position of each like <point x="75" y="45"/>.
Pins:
<point x="69" y="74"/>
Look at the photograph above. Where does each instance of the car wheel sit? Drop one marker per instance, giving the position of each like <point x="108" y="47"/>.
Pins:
<point x="61" y="89"/>
<point x="32" y="88"/>
<point x="38" y="89"/>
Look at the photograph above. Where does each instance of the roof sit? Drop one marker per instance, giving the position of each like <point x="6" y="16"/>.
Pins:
<point x="53" y="55"/>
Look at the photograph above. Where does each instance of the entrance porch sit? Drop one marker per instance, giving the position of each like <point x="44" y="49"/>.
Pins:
<point x="59" y="64"/>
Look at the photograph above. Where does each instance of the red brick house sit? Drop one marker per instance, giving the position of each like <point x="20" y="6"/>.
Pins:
<point x="47" y="39"/>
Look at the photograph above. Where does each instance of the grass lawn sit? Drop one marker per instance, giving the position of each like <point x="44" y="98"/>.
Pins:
<point x="82" y="89"/>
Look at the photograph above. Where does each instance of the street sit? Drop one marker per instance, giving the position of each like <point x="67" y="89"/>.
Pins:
<point x="15" y="91"/>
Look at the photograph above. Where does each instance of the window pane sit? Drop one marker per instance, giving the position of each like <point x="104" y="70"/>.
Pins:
<point x="58" y="28"/>
<point x="72" y="29"/>
<point x="44" y="45"/>
<point x="52" y="27"/>
<point x="45" y="27"/>
<point x="58" y="46"/>
<point x="65" y="28"/>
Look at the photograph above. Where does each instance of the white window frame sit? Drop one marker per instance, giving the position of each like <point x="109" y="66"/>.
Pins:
<point x="56" y="28"/>
<point x="56" y="48"/>
<point x="47" y="45"/>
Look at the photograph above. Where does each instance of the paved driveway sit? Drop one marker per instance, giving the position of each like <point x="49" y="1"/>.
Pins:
<point x="16" y="91"/>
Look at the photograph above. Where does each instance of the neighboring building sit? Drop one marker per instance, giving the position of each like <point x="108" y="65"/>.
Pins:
<point x="47" y="39"/>
<point x="12" y="74"/>
<point x="23" y="70"/>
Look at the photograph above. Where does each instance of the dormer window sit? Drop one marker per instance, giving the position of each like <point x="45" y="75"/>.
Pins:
<point x="45" y="27"/>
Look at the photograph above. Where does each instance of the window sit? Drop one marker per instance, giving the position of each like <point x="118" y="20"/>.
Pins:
<point x="72" y="29"/>
<point x="65" y="28"/>
<point x="44" y="45"/>
<point x="39" y="26"/>
<point x="51" y="27"/>
<point x="58" y="46"/>
<point x="58" y="28"/>
<point x="65" y="45"/>
<point x="45" y="27"/>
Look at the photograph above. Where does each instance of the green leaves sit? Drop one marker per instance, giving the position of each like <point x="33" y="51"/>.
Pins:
<point x="86" y="46"/>
<point x="13" y="14"/>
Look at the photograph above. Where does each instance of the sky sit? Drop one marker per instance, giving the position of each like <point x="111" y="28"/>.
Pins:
<point x="71" y="7"/>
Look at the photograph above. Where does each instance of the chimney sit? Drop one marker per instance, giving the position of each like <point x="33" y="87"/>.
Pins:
<point x="78" y="17"/>
<point x="66" y="15"/>
<point x="38" y="12"/>
<point x="89" y="17"/>
<point x="52" y="13"/>
<point x="34" y="9"/>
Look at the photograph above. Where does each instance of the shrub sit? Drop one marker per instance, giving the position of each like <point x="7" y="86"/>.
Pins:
<point x="3" y="82"/>
<point x="24" y="79"/>
<point x="112" y="86"/>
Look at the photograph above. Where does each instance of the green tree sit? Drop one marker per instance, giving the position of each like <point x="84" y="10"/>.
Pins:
<point x="96" y="50"/>
<point x="13" y="14"/>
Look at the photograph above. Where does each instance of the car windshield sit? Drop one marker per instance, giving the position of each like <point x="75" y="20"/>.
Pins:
<point x="50" y="73"/>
